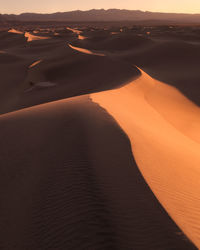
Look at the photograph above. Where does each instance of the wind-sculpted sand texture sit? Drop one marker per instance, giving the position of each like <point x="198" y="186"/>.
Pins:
<point x="95" y="153"/>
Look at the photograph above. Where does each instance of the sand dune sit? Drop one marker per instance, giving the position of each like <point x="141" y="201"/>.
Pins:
<point x="9" y="40"/>
<point x="164" y="130"/>
<point x="172" y="61"/>
<point x="82" y="37"/>
<point x="75" y="114"/>
<point x="40" y="85"/>
<point x="31" y="37"/>
<point x="116" y="42"/>
<point x="86" y="51"/>
<point x="35" y="63"/>
<point x="78" y="32"/>
<point x="72" y="176"/>
<point x="75" y="74"/>
<point x="15" y="31"/>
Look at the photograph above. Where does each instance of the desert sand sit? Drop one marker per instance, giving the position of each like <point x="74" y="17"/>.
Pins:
<point x="99" y="137"/>
<point x="15" y="31"/>
<point x="164" y="138"/>
<point x="35" y="63"/>
<point x="31" y="37"/>
<point x="86" y="51"/>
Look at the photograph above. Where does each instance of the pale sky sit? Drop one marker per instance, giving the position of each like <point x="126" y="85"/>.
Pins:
<point x="50" y="6"/>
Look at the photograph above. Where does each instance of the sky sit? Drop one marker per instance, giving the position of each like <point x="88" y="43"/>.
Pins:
<point x="50" y="6"/>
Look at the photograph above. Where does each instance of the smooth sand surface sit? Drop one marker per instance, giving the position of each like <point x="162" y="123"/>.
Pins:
<point x="164" y="129"/>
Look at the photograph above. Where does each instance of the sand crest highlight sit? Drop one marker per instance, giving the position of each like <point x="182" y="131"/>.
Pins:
<point x="85" y="51"/>
<point x="33" y="37"/>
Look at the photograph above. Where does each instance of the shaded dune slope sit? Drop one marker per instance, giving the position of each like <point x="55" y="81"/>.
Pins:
<point x="72" y="183"/>
<point x="73" y="73"/>
<point x="10" y="40"/>
<point x="116" y="42"/>
<point x="173" y="62"/>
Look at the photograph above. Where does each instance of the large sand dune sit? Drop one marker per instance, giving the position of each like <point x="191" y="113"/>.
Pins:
<point x="95" y="153"/>
<point x="72" y="183"/>
<point x="164" y="130"/>
<point x="117" y="42"/>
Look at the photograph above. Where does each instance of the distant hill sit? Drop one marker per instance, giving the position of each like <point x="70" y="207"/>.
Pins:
<point x="106" y="15"/>
<point x="2" y="19"/>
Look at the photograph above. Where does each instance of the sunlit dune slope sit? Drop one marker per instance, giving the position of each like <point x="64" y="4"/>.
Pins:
<point x="164" y="130"/>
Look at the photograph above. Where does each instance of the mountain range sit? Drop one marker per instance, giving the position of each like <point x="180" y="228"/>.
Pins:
<point x="109" y="15"/>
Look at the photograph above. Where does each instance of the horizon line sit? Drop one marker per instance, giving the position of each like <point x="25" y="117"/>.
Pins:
<point x="74" y="10"/>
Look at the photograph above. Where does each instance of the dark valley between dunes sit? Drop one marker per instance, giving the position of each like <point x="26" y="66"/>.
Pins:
<point x="100" y="131"/>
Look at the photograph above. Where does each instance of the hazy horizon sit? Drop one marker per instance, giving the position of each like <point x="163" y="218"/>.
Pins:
<point x="171" y="6"/>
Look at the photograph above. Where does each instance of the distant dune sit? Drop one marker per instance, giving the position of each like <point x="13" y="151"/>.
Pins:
<point x="31" y="37"/>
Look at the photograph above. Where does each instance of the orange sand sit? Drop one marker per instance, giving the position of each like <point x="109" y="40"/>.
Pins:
<point x="164" y="129"/>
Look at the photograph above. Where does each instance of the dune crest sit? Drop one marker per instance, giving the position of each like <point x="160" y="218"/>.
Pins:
<point x="35" y="63"/>
<point x="34" y="38"/>
<point x="81" y="37"/>
<point x="85" y="51"/>
<point x="15" y="31"/>
<point x="78" y="32"/>
<point x="41" y="85"/>
<point x="164" y="129"/>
